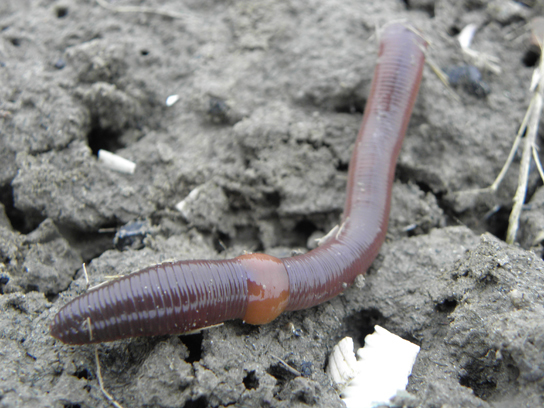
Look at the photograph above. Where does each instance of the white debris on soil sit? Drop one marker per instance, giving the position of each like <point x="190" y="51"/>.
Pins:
<point x="171" y="100"/>
<point x="115" y="162"/>
<point x="182" y="205"/>
<point x="381" y="369"/>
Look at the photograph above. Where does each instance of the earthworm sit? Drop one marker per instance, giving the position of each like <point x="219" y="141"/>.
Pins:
<point x="177" y="297"/>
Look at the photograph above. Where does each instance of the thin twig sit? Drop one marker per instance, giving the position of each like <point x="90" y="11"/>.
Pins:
<point x="495" y="186"/>
<point x="530" y="137"/>
<point x="101" y="383"/>
<point x="90" y="328"/>
<point x="108" y="278"/>
<point x="292" y="370"/>
<point x="529" y="128"/>
<point x="108" y="396"/>
<point x="537" y="162"/>
<point x="86" y="277"/>
<point x="498" y="180"/>
<point x="529" y="147"/>
<point x="441" y="75"/>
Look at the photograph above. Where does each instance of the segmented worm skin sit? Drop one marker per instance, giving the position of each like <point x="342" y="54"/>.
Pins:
<point x="176" y="297"/>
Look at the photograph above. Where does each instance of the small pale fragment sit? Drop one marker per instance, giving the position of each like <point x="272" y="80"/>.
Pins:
<point x="342" y="363"/>
<point x="382" y="369"/>
<point x="360" y="281"/>
<point x="182" y="205"/>
<point x="331" y="234"/>
<point x="172" y="99"/>
<point x="115" y="162"/>
<point x="466" y="35"/>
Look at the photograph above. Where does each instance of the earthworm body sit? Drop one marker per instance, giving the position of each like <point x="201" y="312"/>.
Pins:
<point x="177" y="297"/>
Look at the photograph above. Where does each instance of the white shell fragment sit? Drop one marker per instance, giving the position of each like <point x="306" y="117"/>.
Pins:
<point x="382" y="368"/>
<point x="342" y="363"/>
<point x="172" y="99"/>
<point x="115" y="162"/>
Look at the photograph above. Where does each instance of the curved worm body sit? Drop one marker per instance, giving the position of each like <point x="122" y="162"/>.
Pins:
<point x="176" y="297"/>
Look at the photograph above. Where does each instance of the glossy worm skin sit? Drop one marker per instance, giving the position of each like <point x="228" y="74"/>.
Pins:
<point x="176" y="297"/>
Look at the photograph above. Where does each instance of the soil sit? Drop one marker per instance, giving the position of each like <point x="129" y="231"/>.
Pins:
<point x="271" y="95"/>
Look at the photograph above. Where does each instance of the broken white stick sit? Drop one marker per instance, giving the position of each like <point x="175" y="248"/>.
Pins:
<point x="380" y="371"/>
<point x="115" y="162"/>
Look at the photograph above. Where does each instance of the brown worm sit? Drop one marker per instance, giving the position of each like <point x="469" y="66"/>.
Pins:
<point x="177" y="297"/>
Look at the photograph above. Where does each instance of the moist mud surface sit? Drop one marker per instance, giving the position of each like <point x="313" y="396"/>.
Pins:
<point x="271" y="95"/>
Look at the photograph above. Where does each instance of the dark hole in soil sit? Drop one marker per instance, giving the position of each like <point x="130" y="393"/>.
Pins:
<point x="251" y="381"/>
<point x="222" y="242"/>
<point x="491" y="378"/>
<point x="477" y="219"/>
<point x="351" y="104"/>
<point x="281" y="374"/>
<point x="453" y="31"/>
<point x="4" y="279"/>
<point x="16" y="42"/>
<point x="20" y="221"/>
<point x="497" y="222"/>
<point x="446" y="306"/>
<point x="89" y="244"/>
<point x="237" y="201"/>
<point x="17" y="304"/>
<point x="83" y="373"/>
<point x="201" y="402"/>
<point x="144" y="52"/>
<point x="61" y="11"/>
<point x="406" y="176"/>
<point x="273" y="199"/>
<point x="194" y="343"/>
<point x="70" y="405"/>
<point x="531" y="57"/>
<point x="32" y="288"/>
<point x="426" y="188"/>
<point x="479" y="381"/>
<point x="343" y="167"/>
<point x="362" y="324"/>
<point x="106" y="139"/>
<point x="304" y="229"/>
<point x="423" y="6"/>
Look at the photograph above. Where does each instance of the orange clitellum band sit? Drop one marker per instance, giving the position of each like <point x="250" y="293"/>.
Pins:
<point x="268" y="287"/>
